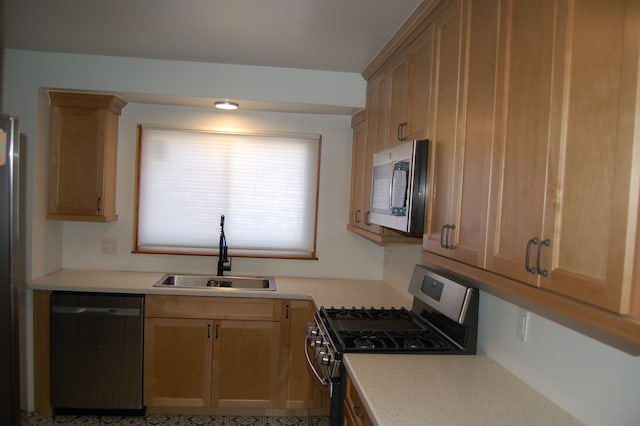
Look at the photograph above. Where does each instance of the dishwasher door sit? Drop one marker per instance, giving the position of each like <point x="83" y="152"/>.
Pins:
<point x="96" y="351"/>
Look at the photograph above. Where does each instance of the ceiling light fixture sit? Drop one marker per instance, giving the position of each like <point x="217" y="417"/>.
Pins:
<point x="226" y="105"/>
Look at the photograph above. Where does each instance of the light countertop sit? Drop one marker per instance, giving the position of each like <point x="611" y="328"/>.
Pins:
<point x="323" y="292"/>
<point x="447" y="390"/>
<point x="397" y="389"/>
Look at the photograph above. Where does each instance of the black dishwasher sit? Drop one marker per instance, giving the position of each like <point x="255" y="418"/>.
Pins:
<point x="96" y="352"/>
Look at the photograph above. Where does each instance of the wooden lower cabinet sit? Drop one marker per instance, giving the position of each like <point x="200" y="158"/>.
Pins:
<point x="298" y="389"/>
<point x="228" y="353"/>
<point x="354" y="413"/>
<point x="206" y="360"/>
<point x="245" y="364"/>
<point x="177" y="362"/>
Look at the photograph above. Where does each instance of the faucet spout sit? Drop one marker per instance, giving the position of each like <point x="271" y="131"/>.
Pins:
<point x="224" y="261"/>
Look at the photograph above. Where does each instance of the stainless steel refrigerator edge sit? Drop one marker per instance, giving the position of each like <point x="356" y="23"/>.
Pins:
<point x="10" y="270"/>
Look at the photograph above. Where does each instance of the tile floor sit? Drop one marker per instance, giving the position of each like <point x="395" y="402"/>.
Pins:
<point x="29" y="419"/>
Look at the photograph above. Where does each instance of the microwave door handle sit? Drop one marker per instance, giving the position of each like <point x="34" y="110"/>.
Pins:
<point x="391" y="181"/>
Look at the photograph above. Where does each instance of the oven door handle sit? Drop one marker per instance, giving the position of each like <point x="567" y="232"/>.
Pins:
<point x="324" y="382"/>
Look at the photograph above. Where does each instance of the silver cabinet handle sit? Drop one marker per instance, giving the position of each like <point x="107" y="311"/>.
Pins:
<point x="442" y="243"/>
<point x="543" y="272"/>
<point x="529" y="268"/>
<point x="449" y="229"/>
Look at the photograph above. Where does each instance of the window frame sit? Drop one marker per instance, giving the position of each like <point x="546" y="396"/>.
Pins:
<point x="214" y="250"/>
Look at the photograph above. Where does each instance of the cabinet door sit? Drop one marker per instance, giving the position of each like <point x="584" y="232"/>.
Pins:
<point x="471" y="135"/>
<point x="358" y="173"/>
<point x="297" y="383"/>
<point x="518" y="192"/>
<point x="82" y="165"/>
<point x="246" y="364"/>
<point x="446" y="146"/>
<point x="398" y="74"/>
<point x="354" y="411"/>
<point x="376" y="130"/>
<point x="419" y="86"/>
<point x="591" y="211"/>
<point x="177" y="362"/>
<point x="472" y="180"/>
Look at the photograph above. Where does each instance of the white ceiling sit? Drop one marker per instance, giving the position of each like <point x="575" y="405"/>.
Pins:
<point x="334" y="35"/>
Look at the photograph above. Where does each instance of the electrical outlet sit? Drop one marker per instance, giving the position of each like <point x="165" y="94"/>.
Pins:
<point x="109" y="246"/>
<point x="523" y="324"/>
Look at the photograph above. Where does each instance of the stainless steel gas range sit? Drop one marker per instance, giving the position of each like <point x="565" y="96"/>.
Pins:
<point x="443" y="320"/>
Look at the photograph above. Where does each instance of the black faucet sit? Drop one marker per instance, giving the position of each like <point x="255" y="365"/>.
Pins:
<point x="224" y="261"/>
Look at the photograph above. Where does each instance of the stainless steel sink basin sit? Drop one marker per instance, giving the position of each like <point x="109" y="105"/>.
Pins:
<point x="212" y="281"/>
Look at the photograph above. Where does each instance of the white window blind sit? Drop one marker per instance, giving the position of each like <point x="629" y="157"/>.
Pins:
<point x="265" y="186"/>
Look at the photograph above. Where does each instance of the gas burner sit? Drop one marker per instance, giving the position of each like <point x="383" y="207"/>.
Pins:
<point x="391" y="314"/>
<point x="349" y="314"/>
<point x="369" y="342"/>
<point x="412" y="343"/>
<point x="425" y="340"/>
<point x="366" y="340"/>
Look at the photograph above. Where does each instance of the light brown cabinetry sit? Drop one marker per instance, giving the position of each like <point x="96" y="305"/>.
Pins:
<point x="564" y="214"/>
<point x="177" y="365"/>
<point x="410" y="78"/>
<point x="246" y="364"/>
<point x="298" y="388"/>
<point x="461" y="130"/>
<point x="397" y="110"/>
<point x="354" y="412"/>
<point x="211" y="352"/>
<point x="82" y="166"/>
<point x="361" y="169"/>
<point x="543" y="155"/>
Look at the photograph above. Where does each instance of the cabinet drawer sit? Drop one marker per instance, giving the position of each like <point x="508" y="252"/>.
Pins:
<point x="242" y="308"/>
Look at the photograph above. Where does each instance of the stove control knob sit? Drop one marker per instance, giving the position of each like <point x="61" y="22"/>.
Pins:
<point x="312" y="330"/>
<point x="325" y="360"/>
<point x="319" y="345"/>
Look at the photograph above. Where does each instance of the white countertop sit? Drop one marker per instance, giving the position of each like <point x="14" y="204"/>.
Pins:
<point x="447" y="390"/>
<point x="323" y="292"/>
<point x="397" y="389"/>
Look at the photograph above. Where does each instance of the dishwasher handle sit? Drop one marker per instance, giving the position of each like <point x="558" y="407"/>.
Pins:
<point x="81" y="310"/>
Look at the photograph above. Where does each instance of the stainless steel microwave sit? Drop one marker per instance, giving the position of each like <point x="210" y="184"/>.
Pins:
<point x="399" y="187"/>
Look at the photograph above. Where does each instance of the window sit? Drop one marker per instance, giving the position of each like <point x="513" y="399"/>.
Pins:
<point x="266" y="186"/>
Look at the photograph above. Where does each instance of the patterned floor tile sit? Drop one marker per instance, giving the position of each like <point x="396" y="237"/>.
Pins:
<point x="33" y="419"/>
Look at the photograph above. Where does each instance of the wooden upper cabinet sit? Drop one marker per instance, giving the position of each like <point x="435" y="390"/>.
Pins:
<point x="358" y="170"/>
<point x="398" y="76"/>
<point x="419" y="85"/>
<point x="369" y="135"/>
<point x="408" y="79"/>
<point x="564" y="211"/>
<point x="522" y="134"/>
<point x="591" y="216"/>
<point x="82" y="167"/>
<point x="463" y="105"/>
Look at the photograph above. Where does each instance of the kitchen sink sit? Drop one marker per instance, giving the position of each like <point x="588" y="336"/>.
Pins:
<point x="214" y="282"/>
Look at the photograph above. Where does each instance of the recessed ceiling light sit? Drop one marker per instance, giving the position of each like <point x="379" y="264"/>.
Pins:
<point x="226" y="105"/>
